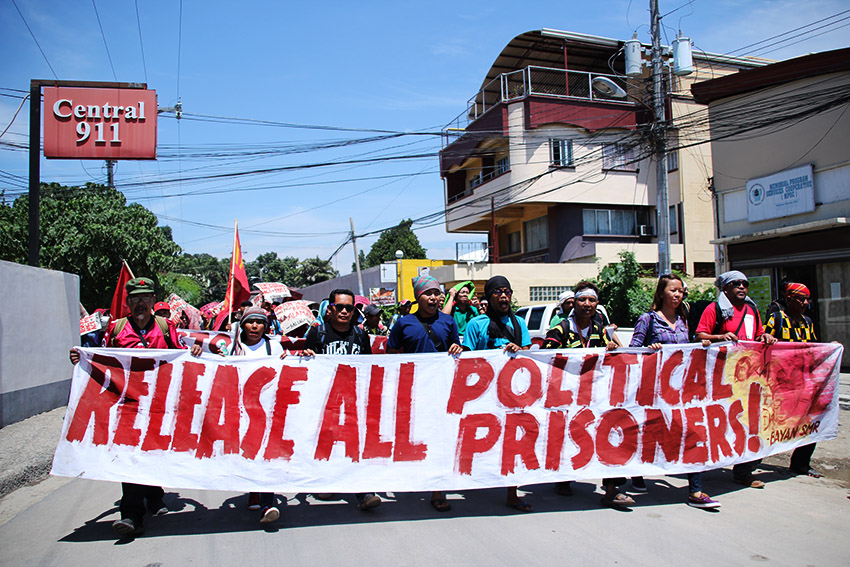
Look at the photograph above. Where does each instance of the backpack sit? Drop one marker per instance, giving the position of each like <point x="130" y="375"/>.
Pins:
<point x="161" y="322"/>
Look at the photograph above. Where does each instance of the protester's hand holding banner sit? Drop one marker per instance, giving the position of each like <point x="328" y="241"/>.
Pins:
<point x="435" y="422"/>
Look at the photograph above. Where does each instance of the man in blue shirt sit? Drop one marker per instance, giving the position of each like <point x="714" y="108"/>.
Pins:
<point x="427" y="330"/>
<point x="499" y="328"/>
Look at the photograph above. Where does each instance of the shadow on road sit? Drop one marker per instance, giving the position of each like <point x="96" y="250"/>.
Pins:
<point x="190" y="517"/>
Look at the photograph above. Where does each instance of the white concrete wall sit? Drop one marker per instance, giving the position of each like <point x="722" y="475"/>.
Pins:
<point x="39" y="322"/>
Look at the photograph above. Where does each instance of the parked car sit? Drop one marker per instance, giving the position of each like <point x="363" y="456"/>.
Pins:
<point x="539" y="317"/>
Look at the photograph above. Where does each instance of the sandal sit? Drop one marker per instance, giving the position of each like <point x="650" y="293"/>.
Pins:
<point x="520" y="505"/>
<point x="441" y="504"/>
<point x="619" y="500"/>
<point x="809" y="472"/>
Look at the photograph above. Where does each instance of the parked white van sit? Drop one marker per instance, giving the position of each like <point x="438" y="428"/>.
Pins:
<point x="539" y="317"/>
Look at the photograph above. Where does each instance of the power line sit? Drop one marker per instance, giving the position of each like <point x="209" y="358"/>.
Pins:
<point x="108" y="55"/>
<point x="55" y="76"/>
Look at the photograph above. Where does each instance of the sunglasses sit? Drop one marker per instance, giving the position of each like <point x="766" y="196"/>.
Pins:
<point x="740" y="283"/>
<point x="503" y="291"/>
<point x="343" y="306"/>
<point x="138" y="298"/>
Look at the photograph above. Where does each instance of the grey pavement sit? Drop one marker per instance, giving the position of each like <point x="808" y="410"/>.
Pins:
<point x="794" y="521"/>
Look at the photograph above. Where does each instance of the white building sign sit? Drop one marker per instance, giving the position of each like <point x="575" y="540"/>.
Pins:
<point x="782" y="194"/>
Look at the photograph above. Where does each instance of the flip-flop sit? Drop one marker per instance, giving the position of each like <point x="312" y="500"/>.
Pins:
<point x="618" y="501"/>
<point x="441" y="504"/>
<point x="809" y="472"/>
<point x="520" y="506"/>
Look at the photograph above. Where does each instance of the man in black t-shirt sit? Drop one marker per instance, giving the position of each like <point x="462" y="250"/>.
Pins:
<point x="340" y="335"/>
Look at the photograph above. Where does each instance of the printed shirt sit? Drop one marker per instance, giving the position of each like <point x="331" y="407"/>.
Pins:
<point x="355" y="341"/>
<point x="750" y="330"/>
<point x="129" y="338"/>
<point x="409" y="336"/>
<point x="780" y="326"/>
<point x="595" y="334"/>
<point x="652" y="328"/>
<point x="477" y="335"/>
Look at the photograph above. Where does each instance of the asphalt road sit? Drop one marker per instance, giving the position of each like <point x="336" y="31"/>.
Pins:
<point x="795" y="521"/>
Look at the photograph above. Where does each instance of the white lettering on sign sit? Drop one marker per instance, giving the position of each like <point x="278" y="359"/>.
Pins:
<point x="109" y="112"/>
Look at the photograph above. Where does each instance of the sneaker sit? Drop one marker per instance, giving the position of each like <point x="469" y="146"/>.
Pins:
<point x="369" y="500"/>
<point x="253" y="500"/>
<point x="158" y="508"/>
<point x="638" y="484"/>
<point x="750" y="481"/>
<point x="702" y="500"/>
<point x="270" y="514"/>
<point x="126" y="526"/>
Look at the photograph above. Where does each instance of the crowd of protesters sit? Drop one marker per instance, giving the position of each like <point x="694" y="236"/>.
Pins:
<point x="440" y="322"/>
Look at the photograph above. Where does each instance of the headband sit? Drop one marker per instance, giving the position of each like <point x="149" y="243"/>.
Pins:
<point x="587" y="292"/>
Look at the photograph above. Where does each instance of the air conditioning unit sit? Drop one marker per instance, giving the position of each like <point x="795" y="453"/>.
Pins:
<point x="645" y="230"/>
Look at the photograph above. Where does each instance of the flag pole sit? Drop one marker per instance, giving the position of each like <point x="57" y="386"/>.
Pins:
<point x="128" y="268"/>
<point x="230" y="282"/>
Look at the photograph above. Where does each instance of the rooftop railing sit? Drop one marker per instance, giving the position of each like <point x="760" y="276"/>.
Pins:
<point x="533" y="80"/>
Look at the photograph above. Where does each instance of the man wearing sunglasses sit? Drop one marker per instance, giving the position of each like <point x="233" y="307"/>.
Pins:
<point x="341" y="335"/>
<point x="500" y="328"/>
<point x="733" y="317"/>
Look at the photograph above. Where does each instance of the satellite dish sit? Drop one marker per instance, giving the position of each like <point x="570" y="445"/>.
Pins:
<point x="608" y="88"/>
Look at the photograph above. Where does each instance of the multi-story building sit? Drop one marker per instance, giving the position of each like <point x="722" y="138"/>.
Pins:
<point x="781" y="153"/>
<point x="551" y="159"/>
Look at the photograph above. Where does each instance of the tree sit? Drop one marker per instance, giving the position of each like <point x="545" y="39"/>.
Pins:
<point x="87" y="231"/>
<point x="314" y="270"/>
<point x="269" y="268"/>
<point x="198" y="278"/>
<point x="397" y="238"/>
<point x="621" y="291"/>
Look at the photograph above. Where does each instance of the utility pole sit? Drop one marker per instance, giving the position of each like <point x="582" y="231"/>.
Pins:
<point x="659" y="140"/>
<point x="110" y="173"/>
<point x="356" y="259"/>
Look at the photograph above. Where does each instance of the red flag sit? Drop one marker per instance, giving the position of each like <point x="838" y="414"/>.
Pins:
<point x="119" y="308"/>
<point x="238" y="288"/>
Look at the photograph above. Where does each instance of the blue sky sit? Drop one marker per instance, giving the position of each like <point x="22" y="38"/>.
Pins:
<point x="395" y="66"/>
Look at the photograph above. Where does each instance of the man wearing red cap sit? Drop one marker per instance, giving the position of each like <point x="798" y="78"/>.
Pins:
<point x="140" y="329"/>
<point x="791" y="324"/>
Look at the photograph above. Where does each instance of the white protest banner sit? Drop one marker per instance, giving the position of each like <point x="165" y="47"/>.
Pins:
<point x="381" y="296"/>
<point x="179" y="305"/>
<point x="273" y="291"/>
<point x="435" y="422"/>
<point x="90" y="323"/>
<point x="293" y="314"/>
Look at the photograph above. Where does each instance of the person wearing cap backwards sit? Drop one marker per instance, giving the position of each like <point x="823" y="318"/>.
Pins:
<point x="427" y="330"/>
<point x="372" y="323"/>
<point x="340" y="335"/>
<point x="500" y="328"/>
<point x="734" y="316"/>
<point x="565" y="302"/>
<point x="791" y="324"/>
<point x="251" y="340"/>
<point x="459" y="306"/>
<point x="140" y="329"/>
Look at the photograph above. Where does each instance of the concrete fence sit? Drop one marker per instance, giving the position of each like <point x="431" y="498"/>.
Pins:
<point x="39" y="322"/>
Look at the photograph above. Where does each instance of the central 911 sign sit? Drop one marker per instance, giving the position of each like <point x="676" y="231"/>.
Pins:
<point x="99" y="123"/>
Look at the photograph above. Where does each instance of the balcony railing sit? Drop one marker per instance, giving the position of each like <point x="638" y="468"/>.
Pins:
<point x="532" y="80"/>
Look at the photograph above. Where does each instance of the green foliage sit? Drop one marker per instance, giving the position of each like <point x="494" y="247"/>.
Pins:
<point x="269" y="268"/>
<point x="702" y="293"/>
<point x="620" y="288"/>
<point x="396" y="238"/>
<point x="87" y="231"/>
<point x="203" y="272"/>
<point x="312" y="271"/>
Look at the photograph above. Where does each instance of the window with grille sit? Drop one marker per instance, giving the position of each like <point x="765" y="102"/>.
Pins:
<point x="561" y="152"/>
<point x="614" y="222"/>
<point x="619" y="157"/>
<point x="502" y="165"/>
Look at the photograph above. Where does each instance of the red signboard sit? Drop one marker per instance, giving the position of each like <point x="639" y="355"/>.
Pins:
<point x="99" y="123"/>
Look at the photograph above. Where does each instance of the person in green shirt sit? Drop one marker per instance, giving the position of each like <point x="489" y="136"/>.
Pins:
<point x="459" y="306"/>
<point x="565" y="302"/>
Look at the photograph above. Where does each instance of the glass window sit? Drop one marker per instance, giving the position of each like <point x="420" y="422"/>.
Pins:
<point x="614" y="222"/>
<point x="674" y="220"/>
<point x="603" y="222"/>
<point x="562" y="152"/>
<point x="537" y="234"/>
<point x="589" y="221"/>
<point x="619" y="157"/>
<point x="502" y="165"/>
<point x="514" y="243"/>
<point x="546" y="293"/>
<point x="536" y="317"/>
